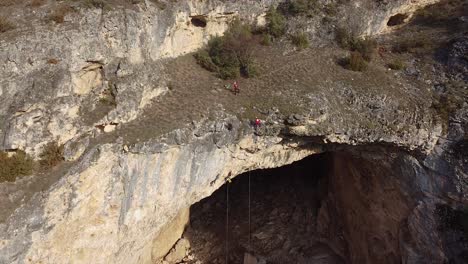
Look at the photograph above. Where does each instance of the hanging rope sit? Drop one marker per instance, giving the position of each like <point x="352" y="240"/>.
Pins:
<point x="250" y="222"/>
<point x="227" y="221"/>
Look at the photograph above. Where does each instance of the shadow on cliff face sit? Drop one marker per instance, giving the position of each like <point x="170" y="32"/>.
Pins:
<point x="365" y="205"/>
<point x="284" y="207"/>
<point x="453" y="224"/>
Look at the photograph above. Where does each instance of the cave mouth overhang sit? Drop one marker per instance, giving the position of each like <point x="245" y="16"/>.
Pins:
<point x="360" y="207"/>
<point x="354" y="204"/>
<point x="284" y="204"/>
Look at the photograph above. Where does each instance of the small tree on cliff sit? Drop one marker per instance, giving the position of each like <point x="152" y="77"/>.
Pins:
<point x="231" y="54"/>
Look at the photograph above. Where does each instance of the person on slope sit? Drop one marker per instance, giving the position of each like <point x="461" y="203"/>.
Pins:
<point x="236" y="89"/>
<point x="257" y="123"/>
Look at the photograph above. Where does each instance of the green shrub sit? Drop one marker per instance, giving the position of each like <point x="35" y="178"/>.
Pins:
<point x="229" y="72"/>
<point x="204" y="59"/>
<point x="344" y="39"/>
<point x="5" y="25"/>
<point x="299" y="7"/>
<point x="397" y="65"/>
<point x="249" y="71"/>
<point x="231" y="54"/>
<point x="366" y="47"/>
<point x="355" y="62"/>
<point x="220" y="52"/>
<point x="51" y="155"/>
<point x="240" y="42"/>
<point x="11" y="167"/>
<point x="300" y="40"/>
<point x="276" y="23"/>
<point x="266" y="39"/>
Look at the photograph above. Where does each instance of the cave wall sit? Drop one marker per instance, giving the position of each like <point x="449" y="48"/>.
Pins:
<point x="383" y="204"/>
<point x="371" y="203"/>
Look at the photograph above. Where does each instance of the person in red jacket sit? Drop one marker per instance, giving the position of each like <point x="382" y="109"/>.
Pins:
<point x="236" y="89"/>
<point x="257" y="123"/>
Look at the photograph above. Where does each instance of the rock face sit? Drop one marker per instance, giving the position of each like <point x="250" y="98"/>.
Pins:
<point x="393" y="9"/>
<point x="386" y="208"/>
<point x="399" y="201"/>
<point x="103" y="66"/>
<point x="115" y="203"/>
<point x="120" y="201"/>
<point x="393" y="207"/>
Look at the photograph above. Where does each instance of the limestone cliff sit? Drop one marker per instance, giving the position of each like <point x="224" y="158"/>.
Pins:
<point x="90" y="84"/>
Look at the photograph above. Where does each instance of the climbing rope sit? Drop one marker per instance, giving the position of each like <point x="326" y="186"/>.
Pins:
<point x="227" y="221"/>
<point x="227" y="218"/>
<point x="250" y="222"/>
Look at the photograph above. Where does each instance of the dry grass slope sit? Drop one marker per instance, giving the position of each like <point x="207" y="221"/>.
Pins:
<point x="300" y="40"/>
<point x="5" y="25"/>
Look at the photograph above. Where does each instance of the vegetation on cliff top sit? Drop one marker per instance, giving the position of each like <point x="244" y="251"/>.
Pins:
<point x="232" y="54"/>
<point x="276" y="23"/>
<point x="362" y="50"/>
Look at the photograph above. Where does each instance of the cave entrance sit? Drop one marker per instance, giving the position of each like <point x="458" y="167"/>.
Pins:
<point x="397" y="20"/>
<point x="284" y="207"/>
<point x="198" y="21"/>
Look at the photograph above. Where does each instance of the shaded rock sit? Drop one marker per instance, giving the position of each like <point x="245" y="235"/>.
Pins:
<point x="179" y="251"/>
<point x="72" y="150"/>
<point x="457" y="59"/>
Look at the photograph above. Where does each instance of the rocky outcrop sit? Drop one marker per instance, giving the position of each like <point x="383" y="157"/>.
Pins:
<point x="122" y="197"/>
<point x="364" y="19"/>
<point x="121" y="200"/>
<point x="389" y="206"/>
<point x="54" y="78"/>
<point x="54" y="81"/>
